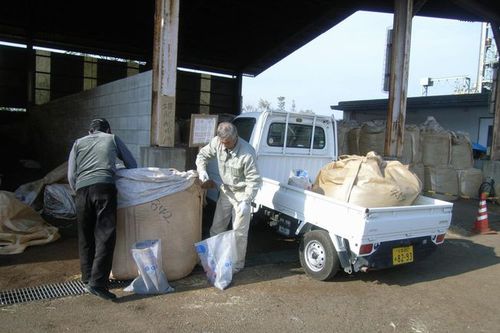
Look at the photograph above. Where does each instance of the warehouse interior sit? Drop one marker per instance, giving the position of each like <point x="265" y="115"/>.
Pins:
<point x="48" y="97"/>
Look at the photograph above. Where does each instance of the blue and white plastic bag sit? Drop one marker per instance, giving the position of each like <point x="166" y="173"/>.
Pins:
<point x="217" y="255"/>
<point x="151" y="279"/>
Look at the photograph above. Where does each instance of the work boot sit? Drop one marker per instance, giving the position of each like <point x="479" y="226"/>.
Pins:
<point x="101" y="292"/>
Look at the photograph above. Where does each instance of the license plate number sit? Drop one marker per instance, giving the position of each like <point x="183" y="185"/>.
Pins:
<point x="402" y="255"/>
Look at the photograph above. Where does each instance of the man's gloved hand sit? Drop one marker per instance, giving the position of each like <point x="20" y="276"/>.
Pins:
<point x="203" y="175"/>
<point x="244" y="207"/>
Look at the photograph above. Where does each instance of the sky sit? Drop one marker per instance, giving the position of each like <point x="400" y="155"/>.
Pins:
<point x="347" y="63"/>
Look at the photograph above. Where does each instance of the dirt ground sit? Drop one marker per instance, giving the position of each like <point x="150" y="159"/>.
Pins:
<point x="454" y="290"/>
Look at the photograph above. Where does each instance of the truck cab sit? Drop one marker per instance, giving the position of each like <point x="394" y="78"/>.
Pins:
<point x="285" y="141"/>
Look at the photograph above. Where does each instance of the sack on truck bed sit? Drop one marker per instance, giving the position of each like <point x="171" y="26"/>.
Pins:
<point x="368" y="182"/>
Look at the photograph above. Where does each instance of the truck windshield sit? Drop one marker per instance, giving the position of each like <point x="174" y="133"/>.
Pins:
<point x="245" y="127"/>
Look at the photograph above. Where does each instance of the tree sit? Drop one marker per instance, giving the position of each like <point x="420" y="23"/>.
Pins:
<point x="264" y="105"/>
<point x="281" y="103"/>
<point x="249" y="108"/>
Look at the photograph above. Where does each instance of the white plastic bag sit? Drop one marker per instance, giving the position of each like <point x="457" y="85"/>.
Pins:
<point x="151" y="279"/>
<point x="217" y="255"/>
<point x="300" y="178"/>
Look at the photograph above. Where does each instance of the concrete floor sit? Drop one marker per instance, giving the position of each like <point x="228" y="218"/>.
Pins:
<point x="454" y="290"/>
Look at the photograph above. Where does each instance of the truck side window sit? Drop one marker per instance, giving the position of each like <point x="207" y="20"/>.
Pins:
<point x="245" y="127"/>
<point x="298" y="136"/>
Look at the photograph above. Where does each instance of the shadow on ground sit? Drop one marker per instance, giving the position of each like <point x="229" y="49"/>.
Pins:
<point x="454" y="257"/>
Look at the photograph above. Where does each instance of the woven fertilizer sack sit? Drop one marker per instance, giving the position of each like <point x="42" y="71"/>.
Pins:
<point x="353" y="141"/>
<point x="172" y="214"/>
<point x="461" y="151"/>
<point x="372" y="137"/>
<point x="21" y="226"/>
<point x="442" y="181"/>
<point x="411" y="145"/>
<point x="343" y="128"/>
<point x="469" y="181"/>
<point x="368" y="182"/>
<point x="435" y="143"/>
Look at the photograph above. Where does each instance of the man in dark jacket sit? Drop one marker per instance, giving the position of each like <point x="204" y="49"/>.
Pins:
<point x="91" y="171"/>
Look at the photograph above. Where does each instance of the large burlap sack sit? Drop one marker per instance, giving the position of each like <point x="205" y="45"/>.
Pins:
<point x="21" y="226"/>
<point x="175" y="219"/>
<point x="435" y="143"/>
<point x="372" y="137"/>
<point x="461" y="151"/>
<point x="368" y="182"/>
<point x="412" y="153"/>
<point x="469" y="181"/>
<point x="353" y="141"/>
<point x="343" y="128"/>
<point x="442" y="180"/>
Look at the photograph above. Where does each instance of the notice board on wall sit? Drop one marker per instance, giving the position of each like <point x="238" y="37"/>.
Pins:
<point x="203" y="127"/>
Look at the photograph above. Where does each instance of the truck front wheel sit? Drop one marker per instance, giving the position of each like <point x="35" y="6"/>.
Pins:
<point x="318" y="256"/>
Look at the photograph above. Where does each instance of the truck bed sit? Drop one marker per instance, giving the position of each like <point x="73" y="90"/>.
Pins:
<point x="359" y="225"/>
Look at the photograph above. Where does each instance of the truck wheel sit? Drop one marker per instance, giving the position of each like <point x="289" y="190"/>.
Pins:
<point x="318" y="256"/>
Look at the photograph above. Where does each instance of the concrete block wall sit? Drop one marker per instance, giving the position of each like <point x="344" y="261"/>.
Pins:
<point x="125" y="103"/>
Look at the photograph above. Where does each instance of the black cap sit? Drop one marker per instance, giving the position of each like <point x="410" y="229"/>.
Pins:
<point x="99" y="124"/>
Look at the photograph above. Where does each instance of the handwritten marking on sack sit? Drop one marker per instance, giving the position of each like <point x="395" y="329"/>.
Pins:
<point x="163" y="211"/>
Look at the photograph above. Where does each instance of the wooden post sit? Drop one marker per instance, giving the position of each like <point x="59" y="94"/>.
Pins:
<point x="398" y="86"/>
<point x="166" y="31"/>
<point x="495" y="94"/>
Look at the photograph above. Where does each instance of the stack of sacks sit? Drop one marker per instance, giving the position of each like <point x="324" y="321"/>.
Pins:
<point x="412" y="153"/>
<point x="353" y="141"/>
<point x="439" y="177"/>
<point x="469" y="179"/>
<point x="372" y="137"/>
<point x="447" y="159"/>
<point x="343" y="128"/>
<point x="368" y="182"/>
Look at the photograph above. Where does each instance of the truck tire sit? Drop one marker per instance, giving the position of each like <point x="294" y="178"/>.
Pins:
<point x="318" y="256"/>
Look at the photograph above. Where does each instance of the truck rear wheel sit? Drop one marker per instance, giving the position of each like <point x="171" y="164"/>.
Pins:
<point x="318" y="256"/>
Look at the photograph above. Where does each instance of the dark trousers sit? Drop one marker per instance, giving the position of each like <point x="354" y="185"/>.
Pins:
<point x="96" y="216"/>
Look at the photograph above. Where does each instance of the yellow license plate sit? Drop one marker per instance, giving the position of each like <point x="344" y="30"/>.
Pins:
<point x="402" y="255"/>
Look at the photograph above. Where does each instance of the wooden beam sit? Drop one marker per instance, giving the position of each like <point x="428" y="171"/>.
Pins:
<point x="398" y="84"/>
<point x="495" y="143"/>
<point x="166" y="31"/>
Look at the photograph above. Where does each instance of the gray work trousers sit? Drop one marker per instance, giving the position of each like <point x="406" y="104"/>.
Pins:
<point x="227" y="208"/>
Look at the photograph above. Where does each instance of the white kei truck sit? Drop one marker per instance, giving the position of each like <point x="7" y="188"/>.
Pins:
<point x="333" y="234"/>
